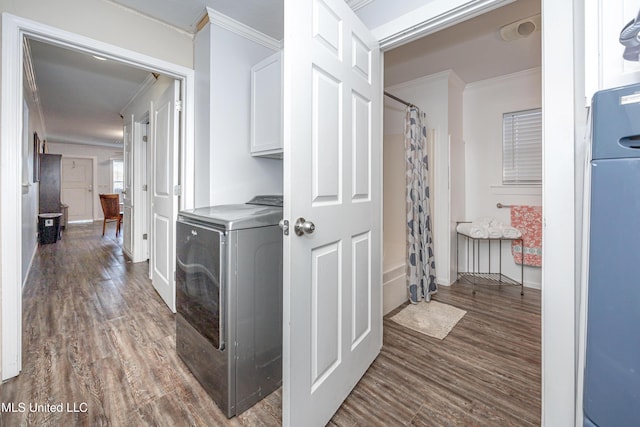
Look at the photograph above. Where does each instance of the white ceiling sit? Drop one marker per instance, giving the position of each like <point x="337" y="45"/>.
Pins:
<point x="82" y="97"/>
<point x="473" y="49"/>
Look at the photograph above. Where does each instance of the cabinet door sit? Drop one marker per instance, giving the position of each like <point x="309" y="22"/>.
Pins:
<point x="266" y="107"/>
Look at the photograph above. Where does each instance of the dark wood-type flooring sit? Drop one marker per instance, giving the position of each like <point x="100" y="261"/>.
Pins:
<point x="96" y="333"/>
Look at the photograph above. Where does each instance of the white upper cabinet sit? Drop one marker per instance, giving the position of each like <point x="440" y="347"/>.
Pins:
<point x="266" y="107"/>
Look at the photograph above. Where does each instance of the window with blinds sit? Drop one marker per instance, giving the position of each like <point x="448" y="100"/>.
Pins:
<point x="522" y="147"/>
<point x="117" y="174"/>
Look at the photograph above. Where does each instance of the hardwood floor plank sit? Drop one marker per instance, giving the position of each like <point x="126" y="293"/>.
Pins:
<point x="168" y="411"/>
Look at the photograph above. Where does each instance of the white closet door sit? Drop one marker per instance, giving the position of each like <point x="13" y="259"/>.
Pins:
<point x="77" y="188"/>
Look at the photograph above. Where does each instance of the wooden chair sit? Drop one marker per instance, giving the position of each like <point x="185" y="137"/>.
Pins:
<point x="111" y="210"/>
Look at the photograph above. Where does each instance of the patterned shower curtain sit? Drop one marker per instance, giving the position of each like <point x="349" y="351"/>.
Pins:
<point x="421" y="265"/>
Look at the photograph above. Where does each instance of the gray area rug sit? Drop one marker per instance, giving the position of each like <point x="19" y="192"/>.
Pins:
<point x="433" y="318"/>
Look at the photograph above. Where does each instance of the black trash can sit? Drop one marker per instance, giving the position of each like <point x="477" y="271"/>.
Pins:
<point x="49" y="228"/>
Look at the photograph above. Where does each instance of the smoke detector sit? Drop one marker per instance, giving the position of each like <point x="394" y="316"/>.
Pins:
<point x="520" y="29"/>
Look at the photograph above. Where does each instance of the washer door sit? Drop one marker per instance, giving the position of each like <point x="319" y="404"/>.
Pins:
<point x="199" y="291"/>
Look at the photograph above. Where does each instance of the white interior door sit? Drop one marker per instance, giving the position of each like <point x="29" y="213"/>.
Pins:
<point x="164" y="209"/>
<point x="76" y="189"/>
<point x="332" y="167"/>
<point x="127" y="193"/>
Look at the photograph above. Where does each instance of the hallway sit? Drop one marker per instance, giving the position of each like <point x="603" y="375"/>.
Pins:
<point x="96" y="333"/>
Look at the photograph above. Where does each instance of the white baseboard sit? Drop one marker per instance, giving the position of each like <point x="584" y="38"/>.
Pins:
<point x="533" y="285"/>
<point x="33" y="256"/>
<point x="394" y="288"/>
<point x="443" y="282"/>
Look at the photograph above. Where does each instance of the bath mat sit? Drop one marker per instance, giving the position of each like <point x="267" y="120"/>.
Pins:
<point x="433" y="318"/>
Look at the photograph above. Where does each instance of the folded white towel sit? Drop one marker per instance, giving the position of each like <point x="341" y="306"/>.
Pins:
<point x="511" y="232"/>
<point x="473" y="230"/>
<point x="486" y="221"/>
<point x="495" y="232"/>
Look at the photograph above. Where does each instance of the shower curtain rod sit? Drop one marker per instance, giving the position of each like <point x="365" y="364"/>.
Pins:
<point x="402" y="101"/>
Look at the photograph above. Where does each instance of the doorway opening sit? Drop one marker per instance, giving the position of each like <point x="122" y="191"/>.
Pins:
<point x="464" y="97"/>
<point x="465" y="78"/>
<point x="15" y="31"/>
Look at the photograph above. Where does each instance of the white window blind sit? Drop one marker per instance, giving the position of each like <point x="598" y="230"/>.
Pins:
<point x="522" y="147"/>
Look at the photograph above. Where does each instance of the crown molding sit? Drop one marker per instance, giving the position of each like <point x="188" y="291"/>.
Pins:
<point x="54" y="139"/>
<point x="30" y="80"/>
<point x="430" y="18"/>
<point x="223" y="21"/>
<point x="146" y="84"/>
<point x="358" y="4"/>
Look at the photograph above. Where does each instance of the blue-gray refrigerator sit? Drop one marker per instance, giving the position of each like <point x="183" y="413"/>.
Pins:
<point x="612" y="364"/>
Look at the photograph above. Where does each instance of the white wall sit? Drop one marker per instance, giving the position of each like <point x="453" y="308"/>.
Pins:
<point x="394" y="221"/>
<point x="457" y="169"/>
<point x="235" y="176"/>
<point x="110" y="23"/>
<point x="29" y="188"/>
<point x="394" y="209"/>
<point x="484" y="104"/>
<point x="203" y="62"/>
<point x="104" y="156"/>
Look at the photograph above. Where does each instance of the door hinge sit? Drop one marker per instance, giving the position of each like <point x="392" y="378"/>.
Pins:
<point x="145" y="236"/>
<point x="178" y="105"/>
<point x="144" y="187"/>
<point x="284" y="225"/>
<point x="144" y="138"/>
<point x="177" y="190"/>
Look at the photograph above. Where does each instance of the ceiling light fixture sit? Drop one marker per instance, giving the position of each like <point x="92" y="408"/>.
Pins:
<point x="520" y="29"/>
<point x="99" y="58"/>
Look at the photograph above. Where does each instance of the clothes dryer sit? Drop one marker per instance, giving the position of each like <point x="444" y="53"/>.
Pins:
<point x="229" y="299"/>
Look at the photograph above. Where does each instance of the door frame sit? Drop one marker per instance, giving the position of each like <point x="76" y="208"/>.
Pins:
<point x="562" y="125"/>
<point x="94" y="180"/>
<point x="141" y="176"/>
<point x="14" y="29"/>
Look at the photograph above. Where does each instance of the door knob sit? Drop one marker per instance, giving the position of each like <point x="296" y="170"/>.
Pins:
<point x="303" y="226"/>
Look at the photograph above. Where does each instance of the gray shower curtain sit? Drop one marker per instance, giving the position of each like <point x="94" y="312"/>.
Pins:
<point x="421" y="265"/>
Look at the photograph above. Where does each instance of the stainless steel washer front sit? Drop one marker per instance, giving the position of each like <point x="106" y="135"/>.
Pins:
<point x="229" y="301"/>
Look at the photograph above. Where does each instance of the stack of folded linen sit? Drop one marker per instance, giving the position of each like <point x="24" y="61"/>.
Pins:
<point x="474" y="230"/>
<point x="488" y="228"/>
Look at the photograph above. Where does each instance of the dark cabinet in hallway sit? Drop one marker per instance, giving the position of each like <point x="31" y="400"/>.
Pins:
<point x="50" y="183"/>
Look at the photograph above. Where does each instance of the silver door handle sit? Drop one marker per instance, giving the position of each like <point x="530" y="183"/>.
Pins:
<point x="123" y="192"/>
<point x="303" y="226"/>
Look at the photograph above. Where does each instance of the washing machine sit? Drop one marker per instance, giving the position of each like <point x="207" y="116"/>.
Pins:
<point x="229" y="299"/>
